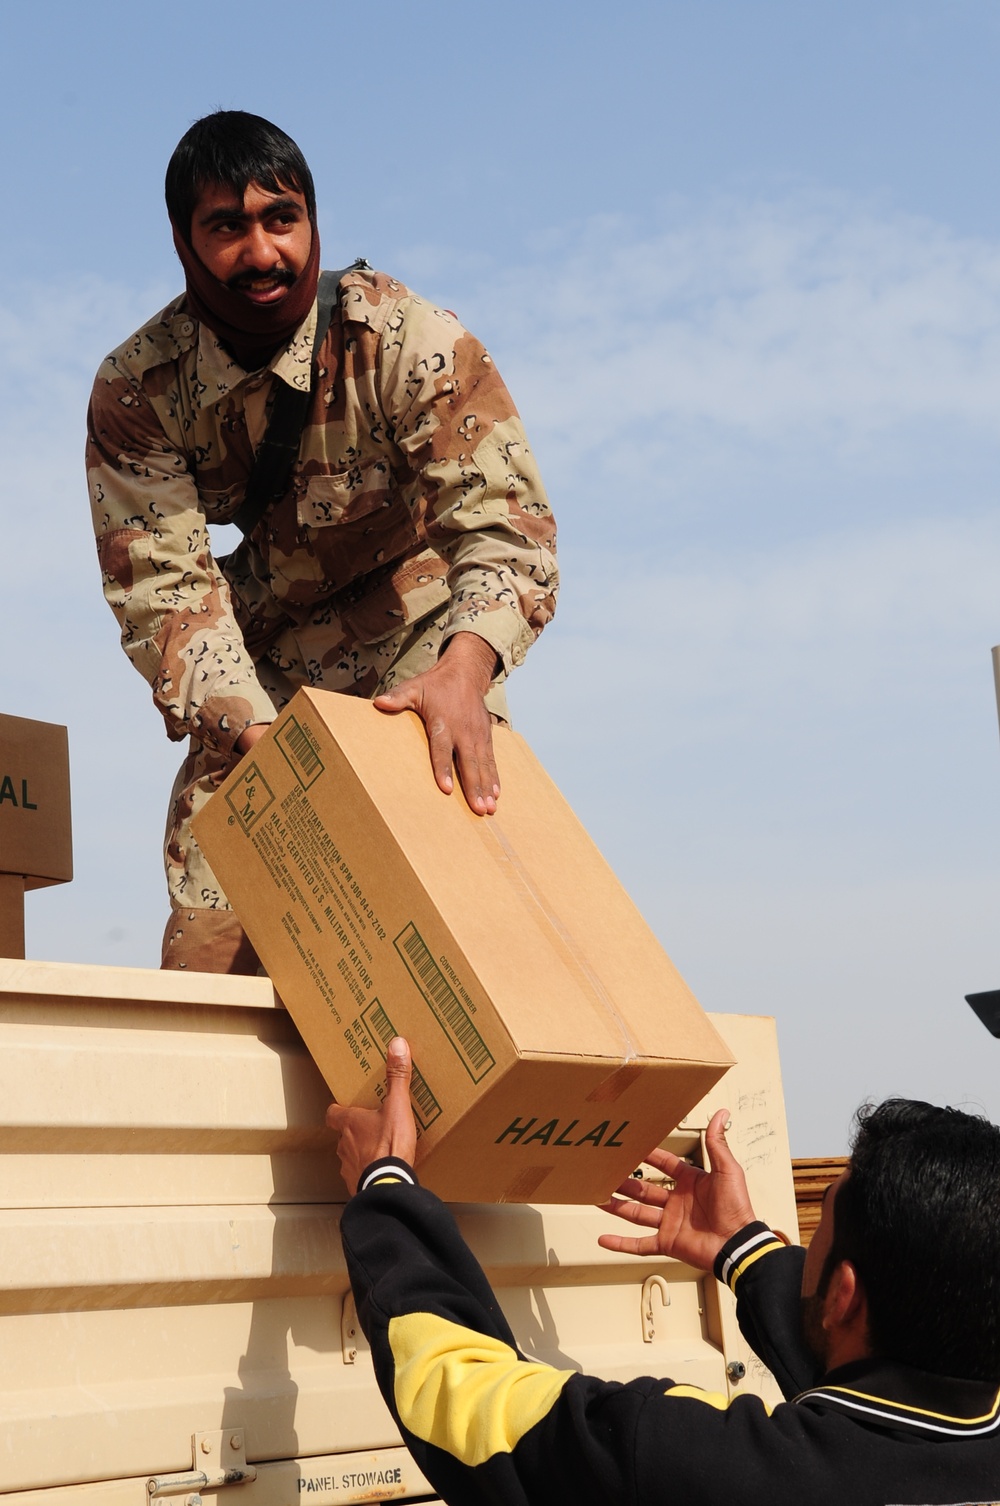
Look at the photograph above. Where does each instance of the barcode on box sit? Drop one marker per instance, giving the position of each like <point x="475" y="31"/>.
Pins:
<point x="425" y="1106"/>
<point x="448" y="1009"/>
<point x="300" y="752"/>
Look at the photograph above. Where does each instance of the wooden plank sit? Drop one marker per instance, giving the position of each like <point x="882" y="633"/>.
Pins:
<point x="812" y="1176"/>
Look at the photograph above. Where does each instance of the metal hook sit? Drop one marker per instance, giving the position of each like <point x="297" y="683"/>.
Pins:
<point x="651" y="1284"/>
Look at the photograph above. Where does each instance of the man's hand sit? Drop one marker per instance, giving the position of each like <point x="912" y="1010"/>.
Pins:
<point x="449" y="701"/>
<point x="391" y="1130"/>
<point x="693" y="1219"/>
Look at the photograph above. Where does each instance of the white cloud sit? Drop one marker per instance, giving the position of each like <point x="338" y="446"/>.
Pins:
<point x="903" y="614"/>
<point x="760" y="318"/>
<point x="866" y="979"/>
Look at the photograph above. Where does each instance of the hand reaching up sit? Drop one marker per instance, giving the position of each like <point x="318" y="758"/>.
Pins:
<point x="692" y="1220"/>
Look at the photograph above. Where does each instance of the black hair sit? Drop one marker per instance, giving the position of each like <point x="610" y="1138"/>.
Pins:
<point x="918" y="1215"/>
<point x="233" y="149"/>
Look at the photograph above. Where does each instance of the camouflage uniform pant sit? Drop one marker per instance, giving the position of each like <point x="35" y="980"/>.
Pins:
<point x="202" y="933"/>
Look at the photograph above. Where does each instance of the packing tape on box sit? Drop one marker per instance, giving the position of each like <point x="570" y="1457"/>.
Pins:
<point x="493" y="830"/>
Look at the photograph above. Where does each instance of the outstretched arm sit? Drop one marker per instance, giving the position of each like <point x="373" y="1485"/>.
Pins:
<point x="478" y="501"/>
<point x="481" y="1420"/>
<point x="694" y="1218"/>
<point x="707" y="1221"/>
<point x="160" y="578"/>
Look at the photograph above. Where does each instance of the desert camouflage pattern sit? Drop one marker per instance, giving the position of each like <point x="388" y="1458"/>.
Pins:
<point x="207" y="941"/>
<point x="415" y="511"/>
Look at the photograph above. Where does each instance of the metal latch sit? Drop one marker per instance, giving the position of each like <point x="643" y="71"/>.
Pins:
<point x="649" y="1286"/>
<point x="349" y="1329"/>
<point x="218" y="1459"/>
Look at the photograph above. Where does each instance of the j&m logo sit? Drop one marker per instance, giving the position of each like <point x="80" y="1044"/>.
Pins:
<point x="249" y="798"/>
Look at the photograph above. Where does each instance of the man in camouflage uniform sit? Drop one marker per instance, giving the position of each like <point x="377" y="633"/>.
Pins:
<point x="410" y="558"/>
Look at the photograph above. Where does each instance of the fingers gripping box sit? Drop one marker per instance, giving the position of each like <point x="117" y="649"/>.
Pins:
<point x="554" y="1042"/>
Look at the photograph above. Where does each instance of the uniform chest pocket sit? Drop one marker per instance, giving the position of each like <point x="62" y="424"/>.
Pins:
<point x="345" y="495"/>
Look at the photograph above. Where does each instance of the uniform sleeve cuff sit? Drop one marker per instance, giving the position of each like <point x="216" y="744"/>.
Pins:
<point x="221" y="720"/>
<point x="503" y="629"/>
<point x="744" y="1250"/>
<point x="385" y="1170"/>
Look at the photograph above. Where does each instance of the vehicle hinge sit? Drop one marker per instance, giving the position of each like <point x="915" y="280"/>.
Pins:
<point x="651" y="1284"/>
<point x="217" y="1458"/>
<point x="349" y="1329"/>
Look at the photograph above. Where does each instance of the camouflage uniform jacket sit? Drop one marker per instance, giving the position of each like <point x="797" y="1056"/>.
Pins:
<point x="414" y="495"/>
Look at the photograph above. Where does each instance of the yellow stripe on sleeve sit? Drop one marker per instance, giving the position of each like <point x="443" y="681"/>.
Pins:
<point x="751" y="1259"/>
<point x="465" y="1393"/>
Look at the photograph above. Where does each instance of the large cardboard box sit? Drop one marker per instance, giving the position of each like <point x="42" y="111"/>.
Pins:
<point x="554" y="1041"/>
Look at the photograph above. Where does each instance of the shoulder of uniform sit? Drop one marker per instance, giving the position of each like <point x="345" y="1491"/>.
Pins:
<point x="376" y="299"/>
<point x="164" y="338"/>
<point x="370" y="297"/>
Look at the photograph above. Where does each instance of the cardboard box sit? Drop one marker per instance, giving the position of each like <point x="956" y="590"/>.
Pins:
<point x="36" y="838"/>
<point x="554" y="1042"/>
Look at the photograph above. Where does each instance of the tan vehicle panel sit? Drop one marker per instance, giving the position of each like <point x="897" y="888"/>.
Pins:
<point x="170" y="1266"/>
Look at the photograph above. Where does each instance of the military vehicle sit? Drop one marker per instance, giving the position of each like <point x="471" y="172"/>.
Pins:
<point x="175" y="1318"/>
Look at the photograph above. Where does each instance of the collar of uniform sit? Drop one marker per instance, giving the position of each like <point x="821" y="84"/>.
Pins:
<point x="902" y="1398"/>
<point x="220" y="373"/>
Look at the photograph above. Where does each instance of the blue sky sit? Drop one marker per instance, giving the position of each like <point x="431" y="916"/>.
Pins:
<point x="740" y="265"/>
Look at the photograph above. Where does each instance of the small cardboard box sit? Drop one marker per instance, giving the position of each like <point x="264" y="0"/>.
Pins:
<point x="553" y="1041"/>
<point x="36" y="838"/>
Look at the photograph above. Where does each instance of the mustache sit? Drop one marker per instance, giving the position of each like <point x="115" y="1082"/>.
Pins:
<point x="281" y="275"/>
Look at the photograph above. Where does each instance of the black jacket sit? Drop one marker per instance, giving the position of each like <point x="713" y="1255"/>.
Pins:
<point x="486" y="1425"/>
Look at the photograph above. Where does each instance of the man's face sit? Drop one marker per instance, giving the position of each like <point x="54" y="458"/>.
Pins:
<point x="257" y="248"/>
<point x="819" y="1248"/>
